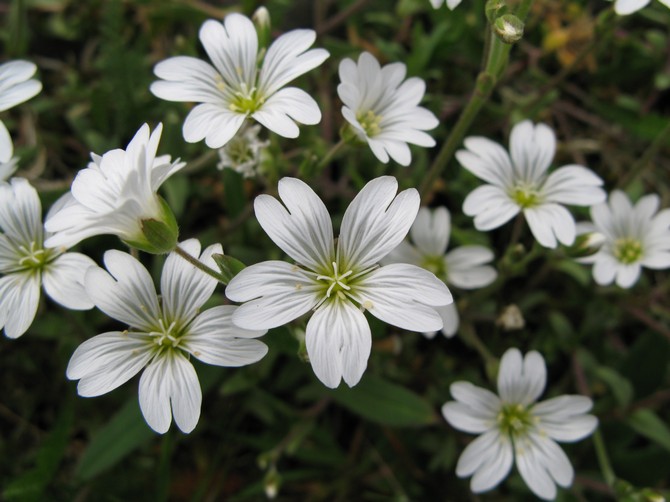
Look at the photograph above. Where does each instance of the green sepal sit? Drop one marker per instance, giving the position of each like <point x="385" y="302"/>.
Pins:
<point x="228" y="266"/>
<point x="158" y="236"/>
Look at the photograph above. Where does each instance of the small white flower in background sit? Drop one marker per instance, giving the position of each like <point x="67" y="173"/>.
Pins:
<point x="116" y="194"/>
<point x="16" y="86"/>
<point x="243" y="152"/>
<point x="234" y="88"/>
<point x="514" y="428"/>
<point x="625" y="7"/>
<point x="635" y="237"/>
<point x="162" y="335"/>
<point x="383" y="110"/>
<point x="26" y="263"/>
<point x="338" y="280"/>
<point x="452" y="4"/>
<point x="519" y="182"/>
<point x="463" y="267"/>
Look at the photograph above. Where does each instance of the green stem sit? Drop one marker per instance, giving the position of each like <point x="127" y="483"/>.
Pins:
<point x="200" y="265"/>
<point x="603" y="459"/>
<point x="329" y="155"/>
<point x="470" y="337"/>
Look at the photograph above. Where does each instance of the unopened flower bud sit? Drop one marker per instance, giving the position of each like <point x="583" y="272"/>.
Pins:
<point x="271" y="483"/>
<point x="509" y="28"/>
<point x="511" y="318"/>
<point x="586" y="245"/>
<point x="261" y="19"/>
<point x="494" y="9"/>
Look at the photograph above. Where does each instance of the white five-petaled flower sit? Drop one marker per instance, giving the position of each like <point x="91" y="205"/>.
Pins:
<point x="234" y="88"/>
<point x="635" y="237"/>
<point x="519" y="182"/>
<point x="26" y="263"/>
<point x="514" y="428"/>
<point x="463" y="267"/>
<point x="625" y="7"/>
<point x="452" y="4"/>
<point x="16" y="86"/>
<point x="340" y="279"/>
<point x="383" y="110"/>
<point x="163" y="333"/>
<point x="116" y="194"/>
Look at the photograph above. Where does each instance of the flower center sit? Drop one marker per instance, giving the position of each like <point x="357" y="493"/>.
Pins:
<point x="525" y="195"/>
<point x="35" y="257"/>
<point x="167" y="336"/>
<point x="370" y="123"/>
<point x="246" y="100"/>
<point x="436" y="265"/>
<point x="337" y="283"/>
<point x="514" y="419"/>
<point x="627" y="250"/>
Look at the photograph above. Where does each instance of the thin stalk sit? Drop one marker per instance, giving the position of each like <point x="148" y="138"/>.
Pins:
<point x="200" y="265"/>
<point x="334" y="150"/>
<point x="645" y="160"/>
<point x="603" y="459"/>
<point x="470" y="337"/>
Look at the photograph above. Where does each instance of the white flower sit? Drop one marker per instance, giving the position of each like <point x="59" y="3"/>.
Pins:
<point x="243" y="152"/>
<point x="338" y="280"/>
<point x="16" y="86"/>
<point x="116" y="194"/>
<point x="163" y="333"/>
<point x="452" y="4"/>
<point x="635" y="237"/>
<point x="515" y="428"/>
<point x="382" y="109"/>
<point x="235" y="88"/>
<point x="26" y="263"/>
<point x="463" y="267"/>
<point x="519" y="182"/>
<point x="625" y="7"/>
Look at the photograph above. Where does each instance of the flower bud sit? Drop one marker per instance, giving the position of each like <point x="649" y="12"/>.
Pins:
<point x="271" y="483"/>
<point x="586" y="245"/>
<point x="508" y="28"/>
<point x="494" y="9"/>
<point x="261" y="19"/>
<point x="511" y="318"/>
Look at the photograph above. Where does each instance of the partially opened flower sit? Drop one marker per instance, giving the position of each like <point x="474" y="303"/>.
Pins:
<point x="516" y="429"/>
<point x="26" y="264"/>
<point x="338" y="280"/>
<point x="163" y="333"/>
<point x="635" y="237"/>
<point x="625" y="7"/>
<point x="382" y="109"/>
<point x="243" y="152"/>
<point x="16" y="86"/>
<point x="116" y="194"/>
<point x="452" y="4"/>
<point x="235" y="88"/>
<point x="519" y="182"/>
<point x="464" y="267"/>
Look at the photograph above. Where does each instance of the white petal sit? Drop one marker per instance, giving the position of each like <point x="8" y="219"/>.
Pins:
<point x="521" y="380"/>
<point x="605" y="269"/>
<point x="170" y="381"/>
<point x="214" y="339"/>
<point x="627" y="275"/>
<point x="107" y="361"/>
<point x="450" y="319"/>
<point x="430" y="231"/>
<point x="403" y="295"/>
<point x="131" y="298"/>
<point x="489" y="458"/>
<point x="302" y="229"/>
<point x="465" y="270"/>
<point x="63" y="280"/>
<point x="290" y="104"/>
<point x="19" y="93"/>
<point x="460" y="416"/>
<point x="19" y="298"/>
<point x="487" y="160"/>
<point x="186" y="79"/>
<point x="184" y="287"/>
<point x="551" y="223"/>
<point x="404" y="253"/>
<point x="625" y="7"/>
<point x="280" y="292"/>
<point x="542" y="463"/>
<point x="338" y="341"/>
<point x="6" y="146"/>
<point x="21" y="212"/>
<point x="375" y="223"/>
<point x="213" y="123"/>
<point x="574" y="185"/>
<point x="490" y="206"/>
<point x="532" y="149"/>
<point x="479" y="400"/>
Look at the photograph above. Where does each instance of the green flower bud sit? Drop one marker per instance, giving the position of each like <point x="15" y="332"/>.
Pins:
<point x="586" y="245"/>
<point x="158" y="236"/>
<point x="261" y="19"/>
<point x="508" y="28"/>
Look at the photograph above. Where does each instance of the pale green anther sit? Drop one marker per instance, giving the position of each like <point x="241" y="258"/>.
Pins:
<point x="170" y="337"/>
<point x="370" y="123"/>
<point x="628" y="250"/>
<point x="525" y="197"/>
<point x="514" y="419"/>
<point x="338" y="283"/>
<point x="246" y="100"/>
<point x="35" y="257"/>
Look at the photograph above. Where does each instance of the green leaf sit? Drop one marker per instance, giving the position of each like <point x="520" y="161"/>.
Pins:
<point x="228" y="266"/>
<point x="385" y="403"/>
<point x="125" y="432"/>
<point x="31" y="485"/>
<point x="620" y="386"/>
<point x="646" y="423"/>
